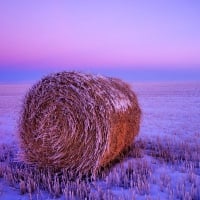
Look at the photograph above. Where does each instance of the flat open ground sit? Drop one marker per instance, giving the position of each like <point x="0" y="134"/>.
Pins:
<point x="164" y="162"/>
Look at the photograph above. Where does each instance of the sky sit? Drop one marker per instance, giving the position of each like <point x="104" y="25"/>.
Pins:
<point x="132" y="39"/>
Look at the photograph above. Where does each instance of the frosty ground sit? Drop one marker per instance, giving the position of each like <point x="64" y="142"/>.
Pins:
<point x="164" y="162"/>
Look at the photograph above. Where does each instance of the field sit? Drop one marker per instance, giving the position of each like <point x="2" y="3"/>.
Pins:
<point x="163" y="162"/>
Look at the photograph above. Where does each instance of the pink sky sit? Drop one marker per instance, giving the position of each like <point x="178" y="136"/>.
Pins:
<point x="108" y="34"/>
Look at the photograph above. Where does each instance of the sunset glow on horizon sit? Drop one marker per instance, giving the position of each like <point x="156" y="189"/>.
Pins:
<point x="105" y="34"/>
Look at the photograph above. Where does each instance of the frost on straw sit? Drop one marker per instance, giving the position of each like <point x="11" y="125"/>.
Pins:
<point x="77" y="121"/>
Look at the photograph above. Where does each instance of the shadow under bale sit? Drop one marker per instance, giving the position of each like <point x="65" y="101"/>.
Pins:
<point x="77" y="121"/>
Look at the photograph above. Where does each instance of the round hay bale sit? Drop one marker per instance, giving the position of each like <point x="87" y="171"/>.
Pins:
<point x="77" y="121"/>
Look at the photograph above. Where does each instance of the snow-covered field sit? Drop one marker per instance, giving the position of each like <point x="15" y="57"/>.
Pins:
<point x="164" y="162"/>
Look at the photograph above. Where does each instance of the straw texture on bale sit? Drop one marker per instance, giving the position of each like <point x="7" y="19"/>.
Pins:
<point x="77" y="121"/>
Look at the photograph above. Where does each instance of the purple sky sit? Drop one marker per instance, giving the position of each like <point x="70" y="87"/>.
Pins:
<point x="130" y="35"/>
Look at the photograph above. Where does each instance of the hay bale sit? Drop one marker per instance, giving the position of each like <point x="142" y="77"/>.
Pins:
<point x="77" y="121"/>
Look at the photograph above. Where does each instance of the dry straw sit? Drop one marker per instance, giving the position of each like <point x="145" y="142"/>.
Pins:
<point x="77" y="121"/>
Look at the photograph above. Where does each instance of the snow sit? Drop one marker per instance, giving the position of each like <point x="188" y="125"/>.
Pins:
<point x="119" y="100"/>
<point x="169" y="108"/>
<point x="171" y="116"/>
<point x="121" y="103"/>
